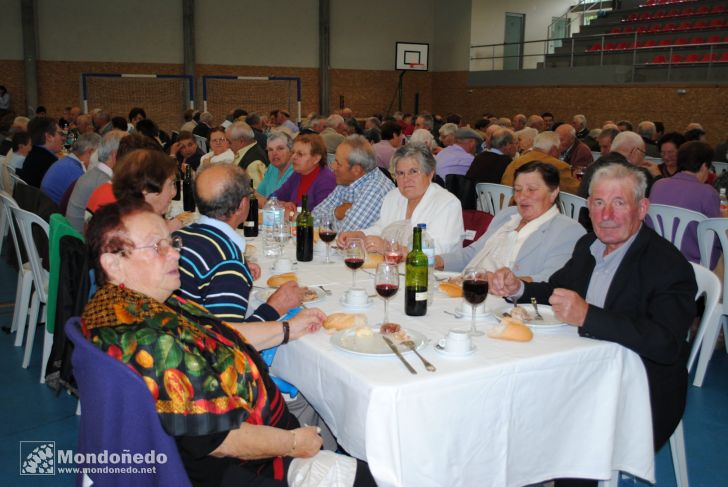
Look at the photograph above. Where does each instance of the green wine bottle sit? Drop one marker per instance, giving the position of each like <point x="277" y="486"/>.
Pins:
<point x="304" y="233"/>
<point x="415" y="297"/>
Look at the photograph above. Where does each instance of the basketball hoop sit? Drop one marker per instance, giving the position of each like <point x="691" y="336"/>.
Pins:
<point x="416" y="66"/>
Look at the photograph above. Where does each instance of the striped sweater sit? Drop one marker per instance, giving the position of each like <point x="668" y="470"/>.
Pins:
<point x="214" y="274"/>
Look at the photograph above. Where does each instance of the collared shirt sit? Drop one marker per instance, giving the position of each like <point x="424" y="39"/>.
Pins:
<point x="453" y="160"/>
<point x="101" y="166"/>
<point x="604" y="270"/>
<point x="229" y="232"/>
<point x="366" y="195"/>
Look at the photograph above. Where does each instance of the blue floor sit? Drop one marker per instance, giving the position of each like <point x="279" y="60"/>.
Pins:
<point x="33" y="412"/>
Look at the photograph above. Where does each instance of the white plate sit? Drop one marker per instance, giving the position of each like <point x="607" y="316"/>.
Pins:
<point x="343" y="302"/>
<point x="372" y="345"/>
<point x="263" y="295"/>
<point x="444" y="352"/>
<point x="549" y="322"/>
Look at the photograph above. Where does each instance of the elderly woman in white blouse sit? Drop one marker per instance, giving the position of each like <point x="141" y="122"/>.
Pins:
<point x="532" y="238"/>
<point x="415" y="200"/>
<point x="219" y="149"/>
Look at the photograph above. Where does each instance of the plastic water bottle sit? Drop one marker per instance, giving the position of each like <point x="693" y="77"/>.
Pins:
<point x="428" y="247"/>
<point x="723" y="203"/>
<point x="272" y="216"/>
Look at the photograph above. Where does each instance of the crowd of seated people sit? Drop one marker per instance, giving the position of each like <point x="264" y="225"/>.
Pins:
<point x="378" y="178"/>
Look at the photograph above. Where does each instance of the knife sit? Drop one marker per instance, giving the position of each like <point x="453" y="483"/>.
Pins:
<point x="399" y="355"/>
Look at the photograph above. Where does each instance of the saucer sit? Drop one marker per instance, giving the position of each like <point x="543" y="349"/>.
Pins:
<point x="467" y="315"/>
<point x="355" y="307"/>
<point x="444" y="352"/>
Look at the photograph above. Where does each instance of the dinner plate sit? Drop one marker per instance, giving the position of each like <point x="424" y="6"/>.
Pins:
<point x="372" y="345"/>
<point x="263" y="295"/>
<point x="355" y="307"/>
<point x="549" y="322"/>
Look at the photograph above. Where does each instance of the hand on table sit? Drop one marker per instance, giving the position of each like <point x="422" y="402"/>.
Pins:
<point x="254" y="270"/>
<point x="568" y="306"/>
<point x="374" y="244"/>
<point x="307" y="441"/>
<point x="288" y="296"/>
<point x="307" y="321"/>
<point x="503" y="283"/>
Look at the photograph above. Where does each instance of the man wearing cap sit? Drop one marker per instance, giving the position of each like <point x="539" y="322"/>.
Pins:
<point x="457" y="158"/>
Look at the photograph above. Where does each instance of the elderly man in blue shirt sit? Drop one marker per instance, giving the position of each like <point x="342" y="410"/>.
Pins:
<point x="64" y="172"/>
<point x="360" y="186"/>
<point x="458" y="157"/>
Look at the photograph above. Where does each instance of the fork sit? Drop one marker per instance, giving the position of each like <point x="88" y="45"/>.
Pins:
<point x="411" y="345"/>
<point x="535" y="308"/>
<point x="326" y="291"/>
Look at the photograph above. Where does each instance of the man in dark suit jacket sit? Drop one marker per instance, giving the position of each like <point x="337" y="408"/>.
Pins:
<point x="628" y="285"/>
<point x="47" y="139"/>
<point x="489" y="165"/>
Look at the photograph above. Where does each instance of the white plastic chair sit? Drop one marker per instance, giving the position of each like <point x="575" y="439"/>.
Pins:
<point x="571" y="205"/>
<point x="706" y="229"/>
<point x="26" y="220"/>
<point x="25" y="274"/>
<point x="670" y="222"/>
<point x="492" y="198"/>
<point x="720" y="167"/>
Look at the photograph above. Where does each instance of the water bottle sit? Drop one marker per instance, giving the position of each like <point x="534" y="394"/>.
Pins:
<point x="428" y="248"/>
<point x="723" y="203"/>
<point x="272" y="216"/>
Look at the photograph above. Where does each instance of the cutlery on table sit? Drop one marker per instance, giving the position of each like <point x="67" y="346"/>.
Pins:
<point x="535" y="308"/>
<point x="411" y="345"/>
<point x="451" y="313"/>
<point x="398" y="353"/>
<point x="326" y="291"/>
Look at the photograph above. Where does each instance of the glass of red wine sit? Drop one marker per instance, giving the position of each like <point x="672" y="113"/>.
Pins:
<point x="386" y="282"/>
<point x="475" y="290"/>
<point x="354" y="255"/>
<point x="327" y="232"/>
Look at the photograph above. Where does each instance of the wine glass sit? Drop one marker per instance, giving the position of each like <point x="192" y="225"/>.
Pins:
<point x="327" y="232"/>
<point x="475" y="290"/>
<point x="393" y="251"/>
<point x="386" y="282"/>
<point x="354" y="255"/>
<point x="281" y="234"/>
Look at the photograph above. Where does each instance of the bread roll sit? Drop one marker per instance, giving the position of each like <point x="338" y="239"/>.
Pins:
<point x="451" y="289"/>
<point x="342" y="321"/>
<point x="372" y="261"/>
<point x="280" y="279"/>
<point x="512" y="329"/>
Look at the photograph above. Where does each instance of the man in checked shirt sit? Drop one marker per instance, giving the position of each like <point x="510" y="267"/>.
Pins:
<point x="360" y="186"/>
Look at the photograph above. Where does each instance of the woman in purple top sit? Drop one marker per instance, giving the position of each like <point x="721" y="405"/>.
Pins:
<point x="310" y="174"/>
<point x="686" y="189"/>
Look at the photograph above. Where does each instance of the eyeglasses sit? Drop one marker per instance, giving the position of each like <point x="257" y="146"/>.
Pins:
<point x="411" y="173"/>
<point x="218" y="141"/>
<point x="161" y="247"/>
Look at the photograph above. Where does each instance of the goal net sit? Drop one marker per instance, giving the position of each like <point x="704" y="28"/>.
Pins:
<point x="221" y="94"/>
<point x="164" y="97"/>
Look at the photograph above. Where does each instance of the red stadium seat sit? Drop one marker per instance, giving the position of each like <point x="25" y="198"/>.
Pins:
<point x="616" y="30"/>
<point x="687" y="11"/>
<point x="650" y="43"/>
<point x="669" y="26"/>
<point x="697" y="40"/>
<point x="596" y="47"/>
<point x="710" y="58"/>
<point x="656" y="28"/>
<point x="659" y="59"/>
<point x="716" y="23"/>
<point x="665" y="42"/>
<point x="718" y="9"/>
<point x="645" y="16"/>
<point x="649" y="3"/>
<point x="702" y="10"/>
<point x="700" y="24"/>
<point x="681" y="41"/>
<point x="659" y="14"/>
<point x="639" y="44"/>
<point x="628" y="29"/>
<point x="610" y="46"/>
<point x="642" y="29"/>
<point x="684" y="26"/>
<point x="631" y="45"/>
<point x="714" y="39"/>
<point x="723" y="58"/>
<point x="631" y="18"/>
<point x="621" y="46"/>
<point x="673" y="13"/>
<point x="676" y="58"/>
<point x="692" y="58"/>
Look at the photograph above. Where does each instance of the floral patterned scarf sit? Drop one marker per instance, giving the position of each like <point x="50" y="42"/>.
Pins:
<point x="204" y="376"/>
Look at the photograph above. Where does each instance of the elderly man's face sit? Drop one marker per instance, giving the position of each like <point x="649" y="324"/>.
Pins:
<point x="565" y="138"/>
<point x="615" y="214"/>
<point x="605" y="145"/>
<point x="187" y="148"/>
<point x="447" y="140"/>
<point x="345" y="173"/>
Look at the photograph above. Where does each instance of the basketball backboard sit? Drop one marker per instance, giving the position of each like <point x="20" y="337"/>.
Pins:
<point x="411" y="56"/>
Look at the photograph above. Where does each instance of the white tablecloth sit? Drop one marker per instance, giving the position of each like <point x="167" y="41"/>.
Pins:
<point x="511" y="414"/>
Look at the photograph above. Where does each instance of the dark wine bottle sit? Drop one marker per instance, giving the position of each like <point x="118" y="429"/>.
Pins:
<point x="178" y="185"/>
<point x="415" y="297"/>
<point x="304" y="233"/>
<point x="188" y="197"/>
<point x="250" y="225"/>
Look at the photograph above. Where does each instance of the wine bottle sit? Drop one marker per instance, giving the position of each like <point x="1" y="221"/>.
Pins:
<point x="188" y="197"/>
<point x="250" y="226"/>
<point x="177" y="185"/>
<point x="415" y="297"/>
<point x="304" y="232"/>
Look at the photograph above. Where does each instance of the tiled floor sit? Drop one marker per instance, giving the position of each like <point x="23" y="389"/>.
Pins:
<point x="32" y="412"/>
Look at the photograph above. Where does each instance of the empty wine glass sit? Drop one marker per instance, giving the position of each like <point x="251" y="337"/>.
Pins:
<point x="281" y="234"/>
<point x="475" y="290"/>
<point x="386" y="282"/>
<point x="327" y="232"/>
<point x="354" y="255"/>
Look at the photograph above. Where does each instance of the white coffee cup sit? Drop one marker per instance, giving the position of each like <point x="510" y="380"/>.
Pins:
<point x="356" y="297"/>
<point x="283" y="264"/>
<point x="457" y="342"/>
